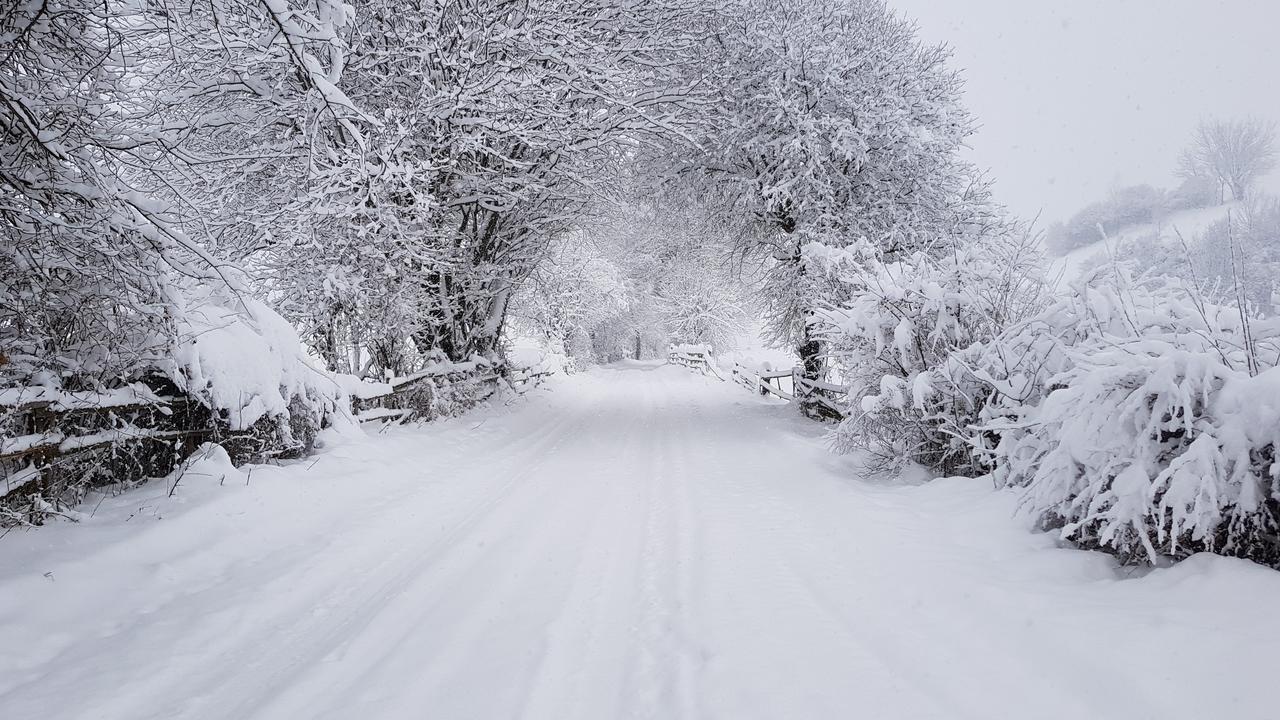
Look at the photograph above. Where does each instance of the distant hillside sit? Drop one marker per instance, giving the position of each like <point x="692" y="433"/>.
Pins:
<point x="1187" y="222"/>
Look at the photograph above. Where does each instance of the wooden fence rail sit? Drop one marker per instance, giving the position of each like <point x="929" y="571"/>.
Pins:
<point x="433" y="393"/>
<point x="694" y="359"/>
<point x="764" y="383"/>
<point x="52" y="451"/>
<point x="817" y="399"/>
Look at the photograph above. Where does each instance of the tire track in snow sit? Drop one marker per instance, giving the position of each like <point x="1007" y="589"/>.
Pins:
<point x="665" y="682"/>
<point x="690" y="654"/>
<point x="421" y="584"/>
<point x="553" y="517"/>
<point x="652" y="546"/>
<point x="589" y="639"/>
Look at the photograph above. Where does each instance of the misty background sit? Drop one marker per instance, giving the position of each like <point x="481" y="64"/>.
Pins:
<point x="1074" y="99"/>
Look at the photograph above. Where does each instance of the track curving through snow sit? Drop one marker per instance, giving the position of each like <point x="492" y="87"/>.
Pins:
<point x="639" y="542"/>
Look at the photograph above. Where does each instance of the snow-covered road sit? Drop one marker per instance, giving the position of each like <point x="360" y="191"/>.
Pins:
<point x="638" y="542"/>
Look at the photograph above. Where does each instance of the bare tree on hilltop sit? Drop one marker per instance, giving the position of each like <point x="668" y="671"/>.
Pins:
<point x="1235" y="153"/>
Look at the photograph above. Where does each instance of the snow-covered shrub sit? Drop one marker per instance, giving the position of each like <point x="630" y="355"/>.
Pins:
<point x="1238" y="257"/>
<point x="1233" y="260"/>
<point x="234" y="373"/>
<point x="894" y="340"/>
<point x="245" y="362"/>
<point x="1147" y="254"/>
<point x="1022" y="365"/>
<point x="1154" y="450"/>
<point x="1195" y="191"/>
<point x="1135" y="419"/>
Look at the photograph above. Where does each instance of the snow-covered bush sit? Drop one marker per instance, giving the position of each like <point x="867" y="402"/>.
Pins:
<point x="1233" y="260"/>
<point x="234" y="373"/>
<point x="892" y="342"/>
<point x="1147" y="254"/>
<point x="245" y="362"/>
<point x="1151" y="449"/>
<point x="1237" y="258"/>
<point x="1195" y="191"/>
<point x="1139" y="419"/>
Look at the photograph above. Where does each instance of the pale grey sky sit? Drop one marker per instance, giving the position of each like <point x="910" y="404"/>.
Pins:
<point x="1076" y="97"/>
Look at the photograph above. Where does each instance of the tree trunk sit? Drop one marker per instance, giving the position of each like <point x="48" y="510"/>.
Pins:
<point x="327" y="344"/>
<point x="465" y="320"/>
<point x="810" y="351"/>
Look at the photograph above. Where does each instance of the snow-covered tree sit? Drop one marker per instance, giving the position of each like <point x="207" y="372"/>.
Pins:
<point x="292" y="176"/>
<point x="516" y="106"/>
<point x="702" y="308"/>
<point x="571" y="293"/>
<point x="840" y="128"/>
<point x="87" y="260"/>
<point x="635" y="279"/>
<point x="1235" y="153"/>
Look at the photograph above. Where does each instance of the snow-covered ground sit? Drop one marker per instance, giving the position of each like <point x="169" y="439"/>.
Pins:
<point x="638" y="541"/>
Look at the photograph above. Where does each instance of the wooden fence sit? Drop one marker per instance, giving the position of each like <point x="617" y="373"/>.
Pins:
<point x="693" y="359"/>
<point x="54" y="450"/>
<point x="443" y="391"/>
<point x="817" y="399"/>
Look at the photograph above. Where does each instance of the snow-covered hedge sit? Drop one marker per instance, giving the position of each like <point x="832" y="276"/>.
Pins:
<point x="1141" y="420"/>
<point x="1152" y="449"/>
<point x="907" y="318"/>
<point x="232" y="371"/>
<point x="1132" y="416"/>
